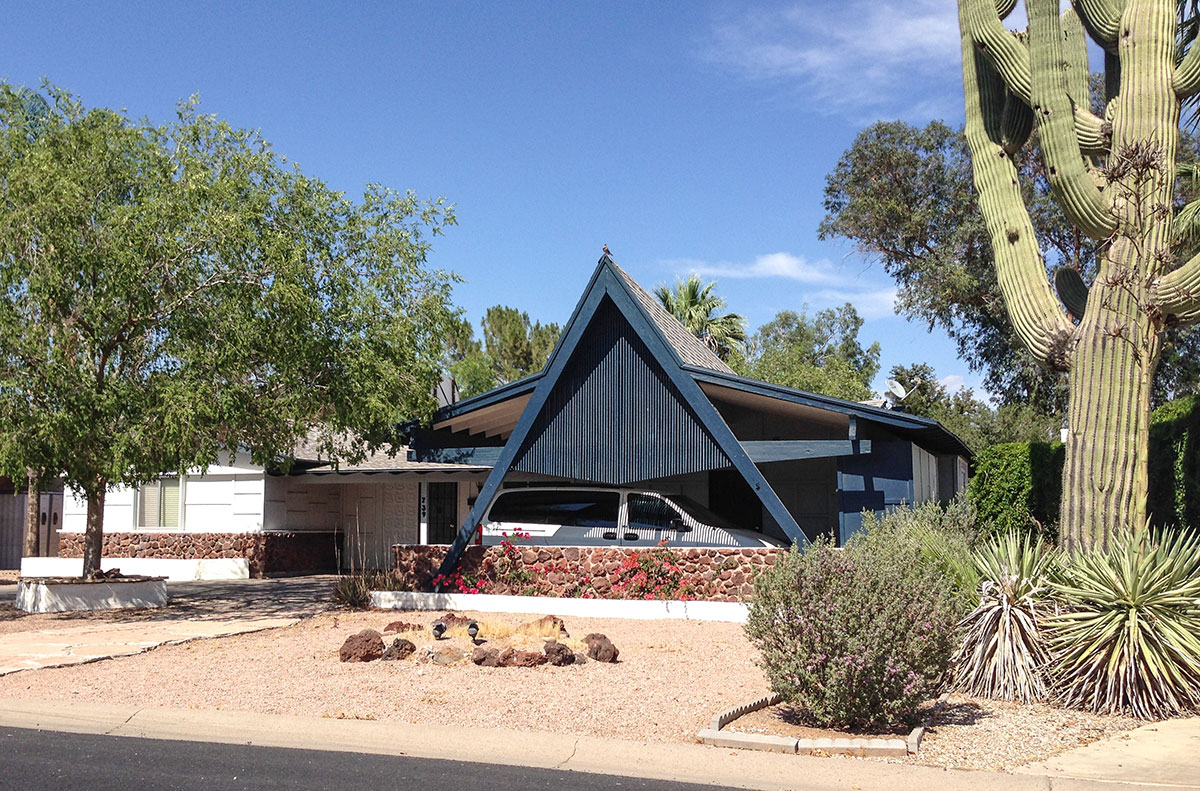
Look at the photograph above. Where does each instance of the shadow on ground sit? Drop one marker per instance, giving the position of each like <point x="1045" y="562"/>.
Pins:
<point x="283" y="597"/>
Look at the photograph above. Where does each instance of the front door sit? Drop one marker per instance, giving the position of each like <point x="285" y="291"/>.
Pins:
<point x="442" y="506"/>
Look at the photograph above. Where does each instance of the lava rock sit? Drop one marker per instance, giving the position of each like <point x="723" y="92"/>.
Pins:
<point x="452" y="620"/>
<point x="580" y="659"/>
<point x="366" y="646"/>
<point x="486" y="657"/>
<point x="402" y="626"/>
<point x="448" y="655"/>
<point x="600" y="648"/>
<point x="558" y="654"/>
<point x="399" y="649"/>
<point x="528" y="659"/>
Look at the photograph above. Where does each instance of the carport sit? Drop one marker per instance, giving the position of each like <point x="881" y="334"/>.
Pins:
<point x="630" y="398"/>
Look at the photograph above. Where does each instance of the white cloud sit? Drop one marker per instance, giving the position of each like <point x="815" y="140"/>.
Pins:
<point x="857" y="57"/>
<point x="877" y="304"/>
<point x="783" y="265"/>
<point x="953" y="383"/>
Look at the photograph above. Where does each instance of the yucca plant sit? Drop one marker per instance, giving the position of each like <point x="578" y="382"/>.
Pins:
<point x="1128" y="639"/>
<point x="1002" y="653"/>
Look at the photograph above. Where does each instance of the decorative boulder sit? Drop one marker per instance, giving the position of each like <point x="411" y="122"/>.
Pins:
<point x="399" y="649"/>
<point x="580" y="659"/>
<point x="547" y="623"/>
<point x="448" y="655"/>
<point x="600" y="648"/>
<point x="366" y="646"/>
<point x="402" y="626"/>
<point x="558" y="654"/>
<point x="510" y="657"/>
<point x="486" y="657"/>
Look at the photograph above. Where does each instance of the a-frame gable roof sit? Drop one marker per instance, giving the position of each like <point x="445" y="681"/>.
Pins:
<point x="691" y="350"/>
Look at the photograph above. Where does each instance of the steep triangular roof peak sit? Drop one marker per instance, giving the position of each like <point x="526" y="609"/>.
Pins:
<point x="691" y="350"/>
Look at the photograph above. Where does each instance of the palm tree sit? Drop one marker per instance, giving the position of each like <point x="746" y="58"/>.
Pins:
<point x="695" y="305"/>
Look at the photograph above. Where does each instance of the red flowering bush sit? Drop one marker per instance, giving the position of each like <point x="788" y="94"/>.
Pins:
<point x="651" y="575"/>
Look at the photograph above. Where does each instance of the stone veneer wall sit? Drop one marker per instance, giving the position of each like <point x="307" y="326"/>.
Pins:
<point x="719" y="574"/>
<point x="267" y="553"/>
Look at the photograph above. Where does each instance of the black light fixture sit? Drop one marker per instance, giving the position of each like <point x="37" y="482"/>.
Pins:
<point x="439" y="629"/>
<point x="472" y="629"/>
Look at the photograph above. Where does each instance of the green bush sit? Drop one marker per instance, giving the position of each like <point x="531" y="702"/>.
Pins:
<point x="1018" y="486"/>
<point x="857" y="637"/>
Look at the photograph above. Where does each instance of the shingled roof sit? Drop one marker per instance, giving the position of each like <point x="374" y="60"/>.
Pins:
<point x="691" y="350"/>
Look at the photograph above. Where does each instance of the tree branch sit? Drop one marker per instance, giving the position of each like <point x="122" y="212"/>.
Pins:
<point x="1081" y="200"/>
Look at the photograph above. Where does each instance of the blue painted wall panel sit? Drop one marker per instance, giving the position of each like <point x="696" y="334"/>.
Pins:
<point x="876" y="482"/>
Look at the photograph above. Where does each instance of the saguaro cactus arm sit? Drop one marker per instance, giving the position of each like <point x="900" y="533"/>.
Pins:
<point x="1102" y="19"/>
<point x="1081" y="200"/>
<point x="1187" y="74"/>
<point x="1177" y="294"/>
<point x="1035" y="313"/>
<point x="1010" y="56"/>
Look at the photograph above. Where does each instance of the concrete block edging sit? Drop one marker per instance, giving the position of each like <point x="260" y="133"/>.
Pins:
<point x="872" y="748"/>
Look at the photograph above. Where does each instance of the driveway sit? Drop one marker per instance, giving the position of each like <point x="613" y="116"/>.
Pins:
<point x="208" y="608"/>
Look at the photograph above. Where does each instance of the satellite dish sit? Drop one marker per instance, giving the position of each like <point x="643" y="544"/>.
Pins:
<point x="897" y="389"/>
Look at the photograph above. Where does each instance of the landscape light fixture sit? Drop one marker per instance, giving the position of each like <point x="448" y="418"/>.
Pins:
<point x="472" y="629"/>
<point x="439" y="629"/>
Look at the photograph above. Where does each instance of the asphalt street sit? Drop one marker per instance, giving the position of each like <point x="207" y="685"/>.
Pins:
<point x="33" y="760"/>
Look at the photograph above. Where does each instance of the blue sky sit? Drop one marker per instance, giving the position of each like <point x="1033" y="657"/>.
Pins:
<point x="688" y="136"/>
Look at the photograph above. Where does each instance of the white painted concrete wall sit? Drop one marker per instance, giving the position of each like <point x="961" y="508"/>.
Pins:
<point x="226" y="498"/>
<point x="174" y="569"/>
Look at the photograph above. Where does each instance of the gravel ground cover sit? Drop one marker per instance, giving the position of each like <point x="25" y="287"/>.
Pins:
<point x="968" y="733"/>
<point x="672" y="677"/>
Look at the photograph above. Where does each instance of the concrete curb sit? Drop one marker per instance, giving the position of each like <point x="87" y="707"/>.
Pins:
<point x="730" y="612"/>
<point x="691" y="763"/>
<point x="863" y="748"/>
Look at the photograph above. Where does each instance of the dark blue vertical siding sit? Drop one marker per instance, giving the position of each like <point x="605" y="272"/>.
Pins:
<point x="615" y="417"/>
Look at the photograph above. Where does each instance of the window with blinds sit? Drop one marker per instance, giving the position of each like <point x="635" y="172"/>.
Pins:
<point x="158" y="504"/>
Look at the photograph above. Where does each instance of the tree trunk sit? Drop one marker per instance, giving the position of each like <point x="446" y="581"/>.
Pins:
<point x="32" y="512"/>
<point x="93" y="540"/>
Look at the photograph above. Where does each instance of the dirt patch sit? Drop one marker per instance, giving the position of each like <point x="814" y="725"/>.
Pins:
<point x="671" y="678"/>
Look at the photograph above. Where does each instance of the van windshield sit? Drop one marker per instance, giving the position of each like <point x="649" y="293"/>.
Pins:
<point x="699" y="512"/>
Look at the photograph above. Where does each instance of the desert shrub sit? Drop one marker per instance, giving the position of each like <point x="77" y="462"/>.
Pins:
<point x="1128" y="638"/>
<point x="1002" y="653"/>
<point x="1018" y="486"/>
<point x="938" y="538"/>
<point x="354" y="589"/>
<point x="853" y="637"/>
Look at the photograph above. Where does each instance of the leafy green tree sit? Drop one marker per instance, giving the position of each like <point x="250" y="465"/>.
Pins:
<point x="169" y="292"/>
<point x="972" y="420"/>
<point x="693" y="302"/>
<point x="513" y="347"/>
<point x="820" y="354"/>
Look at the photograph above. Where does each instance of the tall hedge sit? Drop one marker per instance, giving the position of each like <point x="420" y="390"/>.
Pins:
<point x="1016" y="483"/>
<point x="1174" y="468"/>
<point x="1019" y="480"/>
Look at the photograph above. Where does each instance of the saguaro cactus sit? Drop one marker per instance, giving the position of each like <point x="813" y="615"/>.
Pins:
<point x="1114" y="178"/>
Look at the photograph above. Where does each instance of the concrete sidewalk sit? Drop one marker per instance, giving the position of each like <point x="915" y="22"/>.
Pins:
<point x="1165" y="754"/>
<point x="196" y="610"/>
<point x="37" y="648"/>
<point x="677" y="762"/>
